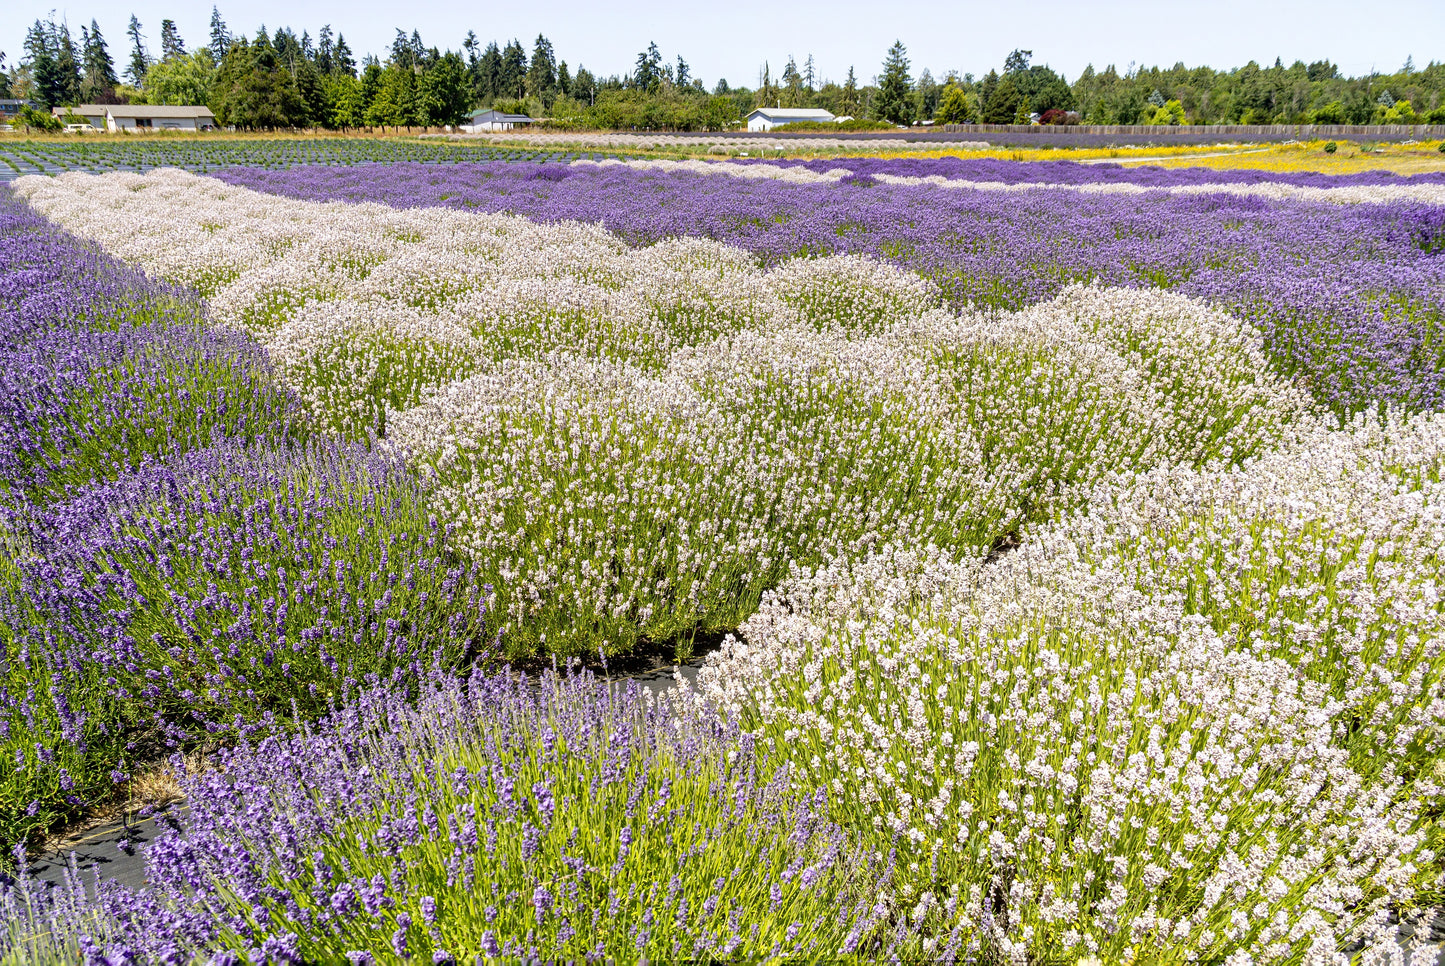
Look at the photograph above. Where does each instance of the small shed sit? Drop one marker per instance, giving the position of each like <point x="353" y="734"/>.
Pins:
<point x="767" y="118"/>
<point x="492" y="120"/>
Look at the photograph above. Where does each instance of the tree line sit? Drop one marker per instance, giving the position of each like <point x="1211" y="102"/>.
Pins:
<point x="277" y="79"/>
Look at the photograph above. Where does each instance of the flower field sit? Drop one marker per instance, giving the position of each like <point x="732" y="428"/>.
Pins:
<point x="1074" y="535"/>
<point x="205" y="154"/>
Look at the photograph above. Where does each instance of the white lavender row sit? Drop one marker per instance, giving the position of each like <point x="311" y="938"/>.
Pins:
<point x="1428" y="193"/>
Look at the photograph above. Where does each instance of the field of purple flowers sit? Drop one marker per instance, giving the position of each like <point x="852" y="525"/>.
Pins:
<point x="1076" y="533"/>
<point x="1347" y="296"/>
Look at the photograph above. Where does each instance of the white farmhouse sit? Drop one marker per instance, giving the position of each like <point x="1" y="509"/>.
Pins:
<point x="142" y="117"/>
<point x="767" y="118"/>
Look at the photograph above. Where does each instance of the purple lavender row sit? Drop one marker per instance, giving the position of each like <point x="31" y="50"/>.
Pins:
<point x="101" y="368"/>
<point x="180" y="562"/>
<point x="494" y="816"/>
<point x="1350" y="299"/>
<point x="1074" y="173"/>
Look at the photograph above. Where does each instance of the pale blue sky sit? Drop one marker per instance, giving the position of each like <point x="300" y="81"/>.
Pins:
<point x="732" y="38"/>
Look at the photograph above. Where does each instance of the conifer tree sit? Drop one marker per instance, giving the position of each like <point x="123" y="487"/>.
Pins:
<point x="325" y="47"/>
<point x="50" y="84"/>
<point x="172" y="47"/>
<point x="140" y="61"/>
<point x="513" y="71"/>
<point x="98" y="79"/>
<point x="67" y="65"/>
<point x="489" y="76"/>
<point x="220" y="35"/>
<point x="893" y="103"/>
<point x="542" y="72"/>
<point x="342" y="62"/>
<point x="850" y="103"/>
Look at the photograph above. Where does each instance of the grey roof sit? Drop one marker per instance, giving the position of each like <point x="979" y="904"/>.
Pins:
<point x="495" y="115"/>
<point x="160" y="110"/>
<point x="795" y="113"/>
<point x="138" y="110"/>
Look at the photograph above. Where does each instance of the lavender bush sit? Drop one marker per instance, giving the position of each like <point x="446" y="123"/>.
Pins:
<point x="500" y="817"/>
<point x="179" y="562"/>
<point x="101" y="368"/>
<point x="1348" y="297"/>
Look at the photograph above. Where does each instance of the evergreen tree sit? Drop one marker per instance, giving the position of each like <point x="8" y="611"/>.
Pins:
<point x="139" y="60"/>
<point x="1004" y="101"/>
<point x="767" y="95"/>
<point x="986" y="91"/>
<point x="473" y="47"/>
<point x="171" y="44"/>
<point x="513" y="74"/>
<point x="850" y="103"/>
<point x="402" y="53"/>
<point x="98" y="77"/>
<point x="893" y="103"/>
<point x="564" y="80"/>
<point x="584" y="86"/>
<point x="325" y="46"/>
<point x="489" y="74"/>
<point x="300" y="78"/>
<point x="47" y="84"/>
<point x="342" y="62"/>
<point x="647" y="75"/>
<point x="253" y="89"/>
<point x="267" y="98"/>
<point x="67" y="65"/>
<point x="370" y="80"/>
<point x="792" y="84"/>
<point x="925" y="95"/>
<point x="220" y="36"/>
<point x="683" y="74"/>
<point x="1017" y="61"/>
<point x="542" y="73"/>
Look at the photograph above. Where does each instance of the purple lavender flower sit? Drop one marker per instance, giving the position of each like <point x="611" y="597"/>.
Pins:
<point x="541" y="901"/>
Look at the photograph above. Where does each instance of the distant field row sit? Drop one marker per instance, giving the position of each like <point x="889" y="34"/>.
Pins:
<point x="101" y="156"/>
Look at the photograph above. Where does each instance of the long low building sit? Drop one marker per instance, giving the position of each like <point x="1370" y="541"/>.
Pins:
<point x="767" y="118"/>
<point x="142" y="117"/>
<point x="492" y="120"/>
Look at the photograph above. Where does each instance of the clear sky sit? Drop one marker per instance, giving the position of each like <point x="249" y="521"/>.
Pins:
<point x="732" y="38"/>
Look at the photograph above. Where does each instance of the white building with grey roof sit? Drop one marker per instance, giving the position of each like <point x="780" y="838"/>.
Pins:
<point x="143" y="117"/>
<point x="767" y="118"/>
